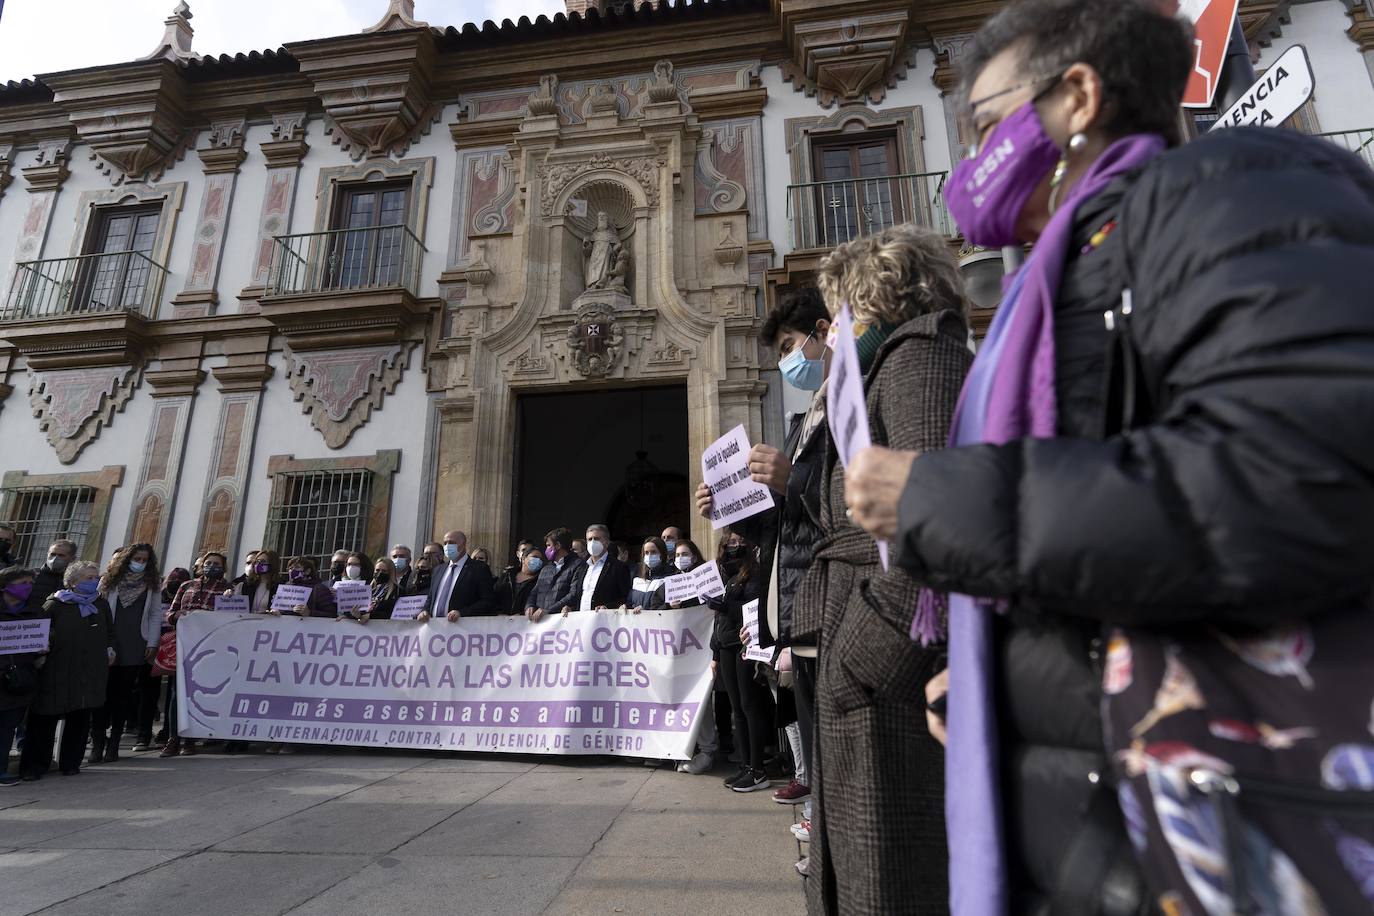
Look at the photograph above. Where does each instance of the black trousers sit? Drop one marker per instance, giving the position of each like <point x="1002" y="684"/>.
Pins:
<point x="149" y="692"/>
<point x="749" y="703"/>
<point x="804" y="692"/>
<point x="119" y="695"/>
<point x="38" y="738"/>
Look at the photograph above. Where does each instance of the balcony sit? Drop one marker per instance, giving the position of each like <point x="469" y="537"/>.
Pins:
<point x="345" y="287"/>
<point x="1359" y="142"/>
<point x="345" y="260"/>
<point x="92" y="284"/>
<point x="824" y="214"/>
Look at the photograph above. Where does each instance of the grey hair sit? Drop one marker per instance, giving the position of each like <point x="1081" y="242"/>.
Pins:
<point x="606" y="532"/>
<point x="75" y="570"/>
<point x="63" y="542"/>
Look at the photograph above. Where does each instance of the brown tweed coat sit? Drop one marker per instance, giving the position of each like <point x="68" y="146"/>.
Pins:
<point x="878" y="830"/>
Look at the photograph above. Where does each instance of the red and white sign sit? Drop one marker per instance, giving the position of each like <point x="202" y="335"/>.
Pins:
<point x="1212" y="21"/>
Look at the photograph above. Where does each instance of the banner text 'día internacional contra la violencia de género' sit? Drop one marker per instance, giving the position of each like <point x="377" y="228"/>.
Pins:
<point x="588" y="683"/>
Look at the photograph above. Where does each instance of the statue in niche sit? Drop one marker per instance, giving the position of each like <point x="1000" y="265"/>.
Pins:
<point x="604" y="254"/>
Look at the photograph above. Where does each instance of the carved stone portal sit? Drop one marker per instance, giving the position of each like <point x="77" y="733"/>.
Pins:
<point x="340" y="388"/>
<point x="595" y="340"/>
<point x="73" y="404"/>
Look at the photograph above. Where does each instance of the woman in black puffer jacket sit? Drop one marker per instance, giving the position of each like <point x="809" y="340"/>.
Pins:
<point x="1180" y="559"/>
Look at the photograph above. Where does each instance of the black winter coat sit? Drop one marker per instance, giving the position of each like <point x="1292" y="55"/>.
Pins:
<point x="73" y="676"/>
<point x="791" y="529"/>
<point x="1241" y="495"/>
<point x="729" y="610"/>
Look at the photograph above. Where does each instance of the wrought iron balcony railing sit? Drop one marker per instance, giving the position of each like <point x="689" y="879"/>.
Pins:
<point x="121" y="281"/>
<point x="1360" y="142"/>
<point x="823" y="214"/>
<point x="379" y="257"/>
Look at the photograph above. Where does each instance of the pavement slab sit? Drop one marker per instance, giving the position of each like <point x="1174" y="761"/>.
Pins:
<point x="343" y="832"/>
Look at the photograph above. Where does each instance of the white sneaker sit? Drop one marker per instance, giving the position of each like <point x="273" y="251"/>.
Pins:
<point x="803" y="866"/>
<point x="802" y="831"/>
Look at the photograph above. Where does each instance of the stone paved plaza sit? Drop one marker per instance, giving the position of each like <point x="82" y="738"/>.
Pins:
<point x="342" y="832"/>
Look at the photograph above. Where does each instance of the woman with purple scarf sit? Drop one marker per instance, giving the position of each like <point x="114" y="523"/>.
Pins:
<point x="1154" y="524"/>
<point x="71" y="683"/>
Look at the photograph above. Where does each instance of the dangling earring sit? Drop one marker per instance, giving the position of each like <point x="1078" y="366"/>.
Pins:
<point x="1076" y="144"/>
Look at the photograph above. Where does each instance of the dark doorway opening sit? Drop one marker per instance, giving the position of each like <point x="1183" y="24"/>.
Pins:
<point x="614" y="456"/>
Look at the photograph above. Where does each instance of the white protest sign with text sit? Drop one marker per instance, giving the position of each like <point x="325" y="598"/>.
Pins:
<point x="409" y="607"/>
<point x="845" y="406"/>
<point x="595" y="683"/>
<point x="679" y="588"/>
<point x="725" y="468"/>
<point x="233" y="604"/>
<point x="708" y="581"/>
<point x="1274" y="97"/>
<point x="752" y="651"/>
<point x="24" y="636"/>
<point x="352" y="596"/>
<point x="287" y="597"/>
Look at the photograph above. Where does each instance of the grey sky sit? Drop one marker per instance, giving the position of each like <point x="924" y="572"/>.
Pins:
<point x="41" y="36"/>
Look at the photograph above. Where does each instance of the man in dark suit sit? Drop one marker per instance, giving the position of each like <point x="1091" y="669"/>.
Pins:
<point x="603" y="581"/>
<point x="48" y="577"/>
<point x="461" y="586"/>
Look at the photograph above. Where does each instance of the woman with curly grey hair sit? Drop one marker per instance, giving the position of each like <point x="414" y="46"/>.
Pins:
<point x="72" y="681"/>
<point x="878" y="835"/>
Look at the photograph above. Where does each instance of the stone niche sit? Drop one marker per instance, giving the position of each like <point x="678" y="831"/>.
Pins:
<point x="609" y="272"/>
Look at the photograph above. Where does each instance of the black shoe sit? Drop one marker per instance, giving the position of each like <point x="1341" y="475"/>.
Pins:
<point x="112" y="753"/>
<point x="161" y="737"/>
<point x="30" y="777"/>
<point x="97" y="750"/>
<point x="729" y="781"/>
<point x="750" y="781"/>
<point x="71" y="771"/>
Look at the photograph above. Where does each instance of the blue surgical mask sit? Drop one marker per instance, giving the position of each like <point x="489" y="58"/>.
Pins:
<point x="401" y="563"/>
<point x="651" y="560"/>
<point x="451" y="552"/>
<point x="536" y="563"/>
<point x="88" y="587"/>
<point x="137" y="567"/>
<point x="800" y="372"/>
<point x="670" y="544"/>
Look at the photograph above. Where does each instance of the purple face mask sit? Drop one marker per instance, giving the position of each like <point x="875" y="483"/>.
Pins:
<point x="988" y="190"/>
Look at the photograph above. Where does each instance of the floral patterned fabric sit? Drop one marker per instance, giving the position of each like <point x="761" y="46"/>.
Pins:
<point x="1245" y="764"/>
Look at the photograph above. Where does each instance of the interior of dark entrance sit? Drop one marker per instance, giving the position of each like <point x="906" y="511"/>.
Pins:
<point x="613" y="456"/>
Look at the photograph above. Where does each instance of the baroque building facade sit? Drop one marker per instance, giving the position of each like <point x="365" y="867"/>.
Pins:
<point x="362" y="289"/>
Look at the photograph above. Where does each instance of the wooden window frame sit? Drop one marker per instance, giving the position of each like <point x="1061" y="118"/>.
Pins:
<point x="102" y="483"/>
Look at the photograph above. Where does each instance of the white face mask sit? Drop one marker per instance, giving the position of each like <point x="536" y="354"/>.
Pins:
<point x="354" y="572"/>
<point x="684" y="563"/>
<point x="651" y="560"/>
<point x="596" y="548"/>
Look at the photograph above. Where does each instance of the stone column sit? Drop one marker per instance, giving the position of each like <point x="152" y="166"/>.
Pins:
<point x="221" y="160"/>
<point x="226" y="479"/>
<point x="44" y="178"/>
<point x="173" y="389"/>
<point x="457" y="475"/>
<point x="1361" y="30"/>
<point x="946" y="79"/>
<point x="283" y="153"/>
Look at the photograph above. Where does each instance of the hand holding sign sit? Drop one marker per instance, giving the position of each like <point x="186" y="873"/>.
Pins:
<point x="409" y="607"/>
<point x="353" y="597"/>
<point x="233" y="604"/>
<point x="845" y="405"/>
<point x="288" y="597"/>
<point x="752" y="651"/>
<point x="725" y="471"/>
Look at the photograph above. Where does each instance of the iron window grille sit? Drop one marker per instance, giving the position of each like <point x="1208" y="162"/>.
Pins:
<point x="41" y="515"/>
<point x="315" y="513"/>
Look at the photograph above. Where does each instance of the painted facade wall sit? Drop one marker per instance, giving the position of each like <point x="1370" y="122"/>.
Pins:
<point x="469" y="188"/>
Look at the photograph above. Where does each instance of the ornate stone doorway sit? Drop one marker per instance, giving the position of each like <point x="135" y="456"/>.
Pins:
<point x="619" y="456"/>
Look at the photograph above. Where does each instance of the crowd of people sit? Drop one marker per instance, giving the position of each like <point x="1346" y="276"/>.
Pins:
<point x="1116" y="661"/>
<point x="107" y="671"/>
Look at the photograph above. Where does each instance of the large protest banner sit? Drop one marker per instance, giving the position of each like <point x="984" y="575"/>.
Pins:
<point x="589" y="683"/>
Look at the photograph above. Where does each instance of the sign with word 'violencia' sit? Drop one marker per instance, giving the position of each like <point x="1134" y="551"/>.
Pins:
<point x="588" y="683"/>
